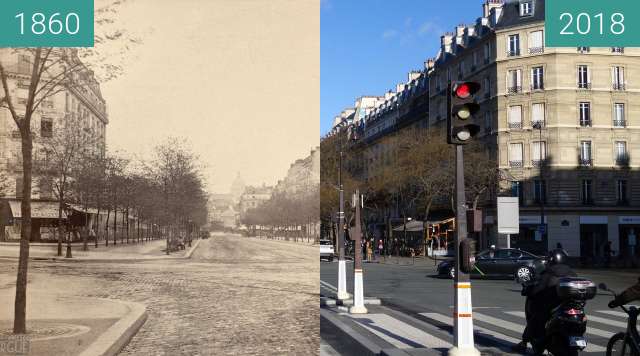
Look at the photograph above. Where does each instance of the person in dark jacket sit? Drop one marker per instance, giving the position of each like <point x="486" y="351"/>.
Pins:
<point x="629" y="295"/>
<point x="542" y="297"/>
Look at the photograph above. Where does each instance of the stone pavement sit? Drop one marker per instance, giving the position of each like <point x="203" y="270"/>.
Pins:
<point x="234" y="296"/>
<point x="62" y="322"/>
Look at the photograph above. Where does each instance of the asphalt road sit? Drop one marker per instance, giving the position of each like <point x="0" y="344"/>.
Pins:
<point x="415" y="290"/>
<point x="235" y="296"/>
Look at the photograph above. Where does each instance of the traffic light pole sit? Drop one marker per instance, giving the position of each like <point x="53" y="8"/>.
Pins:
<point x="342" y="265"/>
<point x="462" y="315"/>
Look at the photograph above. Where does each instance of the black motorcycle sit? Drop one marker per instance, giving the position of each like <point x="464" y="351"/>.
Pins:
<point x="567" y="324"/>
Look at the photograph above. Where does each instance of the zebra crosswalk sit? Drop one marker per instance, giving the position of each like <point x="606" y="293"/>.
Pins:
<point x="495" y="327"/>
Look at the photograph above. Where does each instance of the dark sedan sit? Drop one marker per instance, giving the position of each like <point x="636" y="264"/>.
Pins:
<point x="499" y="263"/>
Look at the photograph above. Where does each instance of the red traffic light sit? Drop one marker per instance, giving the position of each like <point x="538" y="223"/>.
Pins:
<point x="465" y="90"/>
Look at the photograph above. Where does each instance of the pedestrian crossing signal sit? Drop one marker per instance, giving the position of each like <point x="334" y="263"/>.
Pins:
<point x="462" y="106"/>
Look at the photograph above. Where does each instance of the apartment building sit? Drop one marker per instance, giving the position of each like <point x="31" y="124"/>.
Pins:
<point x="78" y="100"/>
<point x="562" y="123"/>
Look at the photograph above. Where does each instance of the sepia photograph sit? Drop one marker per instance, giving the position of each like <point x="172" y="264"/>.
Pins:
<point x="159" y="189"/>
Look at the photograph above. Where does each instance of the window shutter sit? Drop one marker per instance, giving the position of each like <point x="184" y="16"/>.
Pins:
<point x="537" y="112"/>
<point x="518" y="78"/>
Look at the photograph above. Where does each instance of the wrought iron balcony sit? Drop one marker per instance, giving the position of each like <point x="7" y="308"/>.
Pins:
<point x="538" y="86"/>
<point x="513" y="53"/>
<point x="622" y="160"/>
<point x="584" y="86"/>
<point x="516" y="164"/>
<point x="538" y="124"/>
<point x="584" y="49"/>
<point x="538" y="163"/>
<point x="617" y="49"/>
<point x="585" y="122"/>
<point x="515" y="125"/>
<point x="619" y="86"/>
<point x="619" y="123"/>
<point x="536" y="50"/>
<point x="585" y="162"/>
<point x="514" y="90"/>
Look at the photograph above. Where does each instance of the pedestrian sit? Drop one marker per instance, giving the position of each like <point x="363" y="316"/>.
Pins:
<point x="380" y="247"/>
<point x="369" y="252"/>
<point x="92" y="233"/>
<point x="607" y="254"/>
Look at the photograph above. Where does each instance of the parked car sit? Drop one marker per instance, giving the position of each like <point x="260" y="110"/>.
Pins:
<point x="499" y="263"/>
<point x="326" y="250"/>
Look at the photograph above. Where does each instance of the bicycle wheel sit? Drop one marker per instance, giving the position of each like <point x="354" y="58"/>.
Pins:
<point x="619" y="346"/>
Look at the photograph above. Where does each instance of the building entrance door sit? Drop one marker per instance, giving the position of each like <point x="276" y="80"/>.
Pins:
<point x="593" y="238"/>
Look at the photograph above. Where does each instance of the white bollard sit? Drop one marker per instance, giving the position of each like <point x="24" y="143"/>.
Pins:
<point x="342" y="280"/>
<point x="463" y="322"/>
<point x="358" y="294"/>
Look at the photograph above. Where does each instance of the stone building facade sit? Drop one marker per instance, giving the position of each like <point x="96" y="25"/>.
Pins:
<point x="562" y="123"/>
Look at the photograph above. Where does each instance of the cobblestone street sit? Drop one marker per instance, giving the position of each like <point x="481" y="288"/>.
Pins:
<point x="235" y="296"/>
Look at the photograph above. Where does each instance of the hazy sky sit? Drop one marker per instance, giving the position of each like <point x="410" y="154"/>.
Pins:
<point x="238" y="78"/>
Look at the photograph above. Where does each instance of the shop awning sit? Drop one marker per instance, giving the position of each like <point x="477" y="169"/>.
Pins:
<point x="39" y="209"/>
<point x="81" y="209"/>
<point x="412" y="226"/>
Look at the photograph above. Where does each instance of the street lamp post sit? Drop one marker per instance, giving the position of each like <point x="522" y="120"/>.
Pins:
<point x="342" y="265"/>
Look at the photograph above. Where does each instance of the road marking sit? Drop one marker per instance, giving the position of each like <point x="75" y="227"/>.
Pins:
<point x="592" y="331"/>
<point x="615" y="313"/>
<point x="399" y="333"/>
<point x="328" y="286"/>
<point x="499" y="337"/>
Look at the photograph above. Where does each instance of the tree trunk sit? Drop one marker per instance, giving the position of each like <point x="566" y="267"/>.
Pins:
<point x="106" y="227"/>
<point x="60" y="223"/>
<point x="128" y="228"/>
<point x="20" y="305"/>
<point x="115" y="225"/>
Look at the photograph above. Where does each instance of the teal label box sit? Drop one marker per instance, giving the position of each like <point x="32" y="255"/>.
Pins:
<point x="46" y="23"/>
<point x="592" y="23"/>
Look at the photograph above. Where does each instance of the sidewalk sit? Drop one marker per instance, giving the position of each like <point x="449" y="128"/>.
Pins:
<point x="60" y="322"/>
<point x="145" y="251"/>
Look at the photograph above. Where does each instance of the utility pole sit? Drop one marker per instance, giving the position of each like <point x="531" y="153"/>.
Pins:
<point x="358" y="285"/>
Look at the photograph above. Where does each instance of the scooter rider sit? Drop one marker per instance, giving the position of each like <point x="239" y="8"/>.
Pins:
<point x="543" y="295"/>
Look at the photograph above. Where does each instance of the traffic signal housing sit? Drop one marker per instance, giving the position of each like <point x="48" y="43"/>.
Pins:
<point x="462" y="126"/>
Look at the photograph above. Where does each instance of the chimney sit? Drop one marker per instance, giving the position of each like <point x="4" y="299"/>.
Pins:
<point x="490" y="5"/>
<point x="399" y="87"/>
<point x="429" y="64"/>
<point x="445" y="42"/>
<point x="413" y="75"/>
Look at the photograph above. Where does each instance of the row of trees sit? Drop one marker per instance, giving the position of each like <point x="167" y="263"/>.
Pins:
<point x="409" y="173"/>
<point x="286" y="214"/>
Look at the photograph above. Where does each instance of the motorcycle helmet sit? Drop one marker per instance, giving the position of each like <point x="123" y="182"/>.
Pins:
<point x="557" y="256"/>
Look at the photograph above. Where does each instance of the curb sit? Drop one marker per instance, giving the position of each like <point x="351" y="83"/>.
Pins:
<point x="107" y="260"/>
<point x="112" y="341"/>
<point x="365" y="346"/>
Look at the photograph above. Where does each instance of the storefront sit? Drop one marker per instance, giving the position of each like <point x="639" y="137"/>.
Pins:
<point x="628" y="230"/>
<point x="44" y="220"/>
<point x="531" y="238"/>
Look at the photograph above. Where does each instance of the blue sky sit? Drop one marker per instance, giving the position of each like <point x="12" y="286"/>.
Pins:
<point x="368" y="46"/>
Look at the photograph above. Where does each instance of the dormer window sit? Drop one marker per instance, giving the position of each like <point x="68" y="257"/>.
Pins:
<point x="526" y="8"/>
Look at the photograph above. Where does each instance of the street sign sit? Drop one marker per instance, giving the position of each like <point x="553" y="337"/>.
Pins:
<point x="508" y="215"/>
<point x="542" y="228"/>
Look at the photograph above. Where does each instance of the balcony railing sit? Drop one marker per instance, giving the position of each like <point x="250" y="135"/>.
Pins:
<point x="513" y="53"/>
<point x="617" y="49"/>
<point x="516" y="164"/>
<point x="585" y="162"/>
<point x="536" y="50"/>
<point x="584" y="86"/>
<point x="538" y="163"/>
<point x="622" y="160"/>
<point x="514" y="90"/>
<point x="584" y="49"/>
<point x="538" y="124"/>
<point x="515" y="125"/>
<point x="619" y="86"/>
<point x="585" y="123"/>
<point x="619" y="123"/>
<point x="539" y="86"/>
